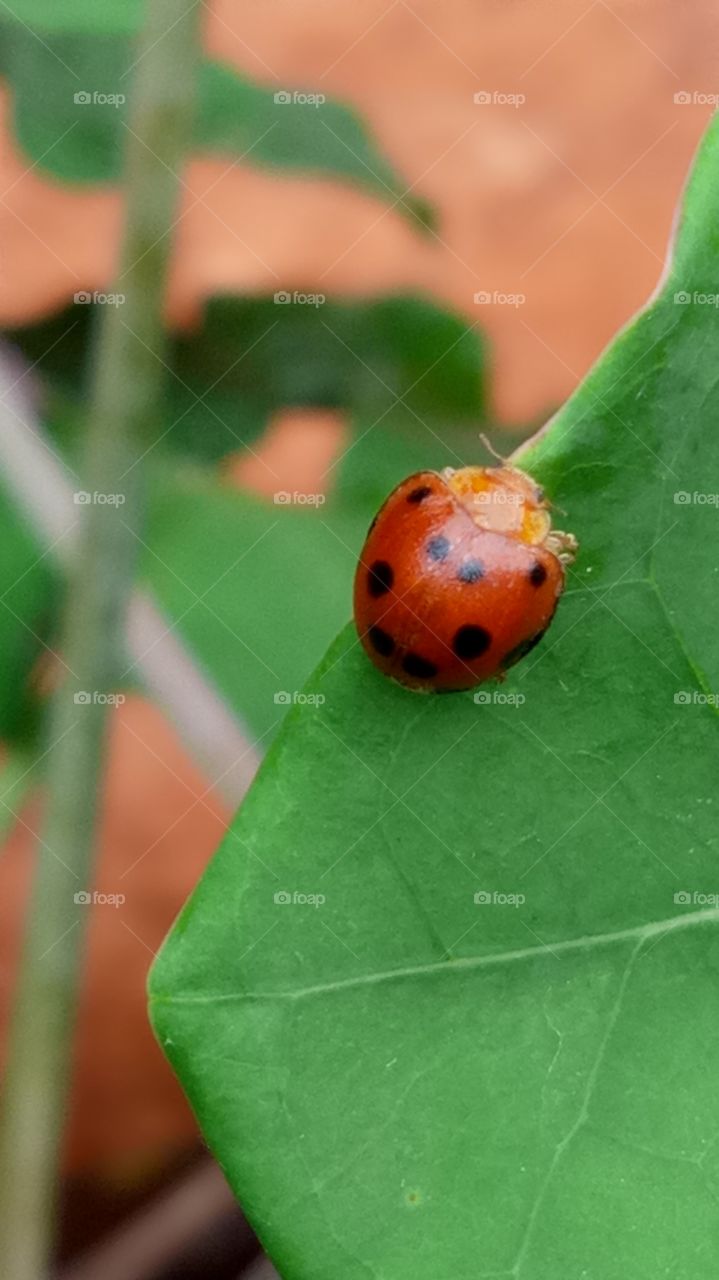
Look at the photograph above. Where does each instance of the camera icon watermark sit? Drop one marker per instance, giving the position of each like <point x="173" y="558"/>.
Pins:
<point x="498" y="98"/>
<point x="494" y="898"/>
<point x="285" y="698"/>
<point x="83" y="898"/>
<point x="285" y="298"/>
<point x="697" y="499"/>
<point x="695" y="898"/>
<point x="85" y="298"/>
<point x="694" y="697"/>
<point x="84" y="499"/>
<point x="499" y="498"/>
<point x="697" y="298"/>
<point x="496" y="697"/>
<point x="496" y="298"/>
<point x="285" y="898"/>
<point x="288" y="98"/>
<point x="696" y="98"/>
<point x="96" y="699"/>
<point x="85" y="98"/>
<point x="283" y="498"/>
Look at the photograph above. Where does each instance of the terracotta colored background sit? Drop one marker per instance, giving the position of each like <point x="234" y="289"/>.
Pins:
<point x="567" y="199"/>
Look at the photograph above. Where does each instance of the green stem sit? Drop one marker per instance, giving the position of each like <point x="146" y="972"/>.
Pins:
<point x="122" y="420"/>
<point x="18" y="778"/>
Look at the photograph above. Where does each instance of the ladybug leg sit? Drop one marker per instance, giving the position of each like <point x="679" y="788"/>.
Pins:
<point x="562" y="545"/>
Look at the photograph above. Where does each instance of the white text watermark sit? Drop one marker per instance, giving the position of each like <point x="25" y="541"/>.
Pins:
<point x="296" y="899"/>
<point x="499" y="98"/>
<point x="493" y="898"/>
<point x="295" y="98"/>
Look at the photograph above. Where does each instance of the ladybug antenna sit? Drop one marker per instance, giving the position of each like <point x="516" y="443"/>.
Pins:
<point x="491" y="449"/>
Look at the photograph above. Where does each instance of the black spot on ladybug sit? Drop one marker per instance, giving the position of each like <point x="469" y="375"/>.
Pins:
<point x="522" y="650"/>
<point x="380" y="578"/>
<point x="471" y="642"/>
<point x="471" y="571"/>
<point x="537" y="574"/>
<point x="381" y="641"/>
<point x="438" y="548"/>
<point x="419" y="494"/>
<point x="419" y="667"/>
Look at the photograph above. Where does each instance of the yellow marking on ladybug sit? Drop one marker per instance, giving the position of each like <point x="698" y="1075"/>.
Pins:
<point x="507" y="500"/>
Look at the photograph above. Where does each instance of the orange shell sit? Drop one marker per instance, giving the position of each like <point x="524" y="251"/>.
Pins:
<point x="456" y="580"/>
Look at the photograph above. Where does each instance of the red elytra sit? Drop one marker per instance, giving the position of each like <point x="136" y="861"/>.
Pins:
<point x="459" y="576"/>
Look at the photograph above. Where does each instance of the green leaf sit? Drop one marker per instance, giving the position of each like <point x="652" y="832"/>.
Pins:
<point x="230" y="570"/>
<point x="110" y="17"/>
<point x="83" y="56"/>
<point x="29" y="597"/>
<point x="327" y="139"/>
<point x="402" y="1082"/>
<point x="396" y="362"/>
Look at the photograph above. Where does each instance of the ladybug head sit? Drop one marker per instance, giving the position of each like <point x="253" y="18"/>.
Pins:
<point x="502" y="500"/>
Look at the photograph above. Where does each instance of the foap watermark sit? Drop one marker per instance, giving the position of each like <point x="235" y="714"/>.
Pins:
<point x="285" y="298"/>
<point x="696" y="298"/>
<point x="295" y="98"/>
<point x="496" y="697"/>
<point x="694" y="698"/>
<point x="86" y="898"/>
<point x="494" y="898"/>
<point x="695" y="98"/>
<point x="694" y="898"/>
<point x="285" y="898"/>
<point x="86" y="298"/>
<point x="95" y="98"/>
<point x="285" y="698"/>
<point x="683" y="498"/>
<point x="496" y="298"/>
<point x="84" y="499"/>
<point x="283" y="498"/>
<point x="499" y="98"/>
<point x="85" y="698"/>
<point x="499" y="498"/>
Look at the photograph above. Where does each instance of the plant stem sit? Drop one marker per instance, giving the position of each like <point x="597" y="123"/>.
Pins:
<point x="121" y="426"/>
<point x="17" y="780"/>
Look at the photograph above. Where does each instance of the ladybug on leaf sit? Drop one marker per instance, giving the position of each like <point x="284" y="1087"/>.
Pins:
<point x="459" y="577"/>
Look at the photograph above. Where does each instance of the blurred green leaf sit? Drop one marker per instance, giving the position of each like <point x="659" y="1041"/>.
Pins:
<point x="419" y="1076"/>
<point x="29" y="600"/>
<point x="399" y="362"/>
<point x="114" y="17"/>
<point x="70" y="68"/>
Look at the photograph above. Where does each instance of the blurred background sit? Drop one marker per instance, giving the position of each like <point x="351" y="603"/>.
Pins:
<point x="403" y="224"/>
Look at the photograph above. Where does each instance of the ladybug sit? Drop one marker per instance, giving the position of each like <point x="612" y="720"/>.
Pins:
<point x="459" y="577"/>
